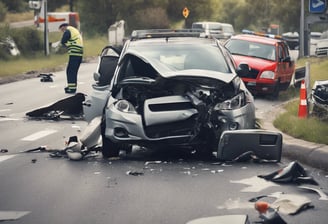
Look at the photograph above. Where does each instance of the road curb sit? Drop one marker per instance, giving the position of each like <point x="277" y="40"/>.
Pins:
<point x="310" y="153"/>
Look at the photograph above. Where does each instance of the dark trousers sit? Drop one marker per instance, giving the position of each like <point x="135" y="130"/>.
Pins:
<point x="72" y="69"/>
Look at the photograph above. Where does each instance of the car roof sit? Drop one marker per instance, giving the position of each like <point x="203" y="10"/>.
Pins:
<point x="174" y="40"/>
<point x="257" y="39"/>
<point x="187" y="36"/>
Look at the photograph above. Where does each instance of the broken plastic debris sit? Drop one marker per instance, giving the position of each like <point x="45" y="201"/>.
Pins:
<point x="12" y="215"/>
<point x="3" y="150"/>
<point x="294" y="172"/>
<point x="287" y="203"/>
<point x="322" y="195"/>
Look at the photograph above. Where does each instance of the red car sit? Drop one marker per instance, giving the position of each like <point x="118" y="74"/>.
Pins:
<point x="271" y="66"/>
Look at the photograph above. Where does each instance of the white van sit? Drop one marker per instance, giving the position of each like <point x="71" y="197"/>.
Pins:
<point x="228" y="30"/>
<point x="214" y="29"/>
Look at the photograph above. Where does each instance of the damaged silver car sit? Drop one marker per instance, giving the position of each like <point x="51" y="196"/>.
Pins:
<point x="174" y="89"/>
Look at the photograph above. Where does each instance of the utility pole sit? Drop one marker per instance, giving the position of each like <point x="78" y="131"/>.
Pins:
<point x="71" y="5"/>
<point x="301" y="52"/>
<point x="46" y="37"/>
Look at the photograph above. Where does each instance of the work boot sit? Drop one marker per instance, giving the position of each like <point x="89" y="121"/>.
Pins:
<point x="69" y="90"/>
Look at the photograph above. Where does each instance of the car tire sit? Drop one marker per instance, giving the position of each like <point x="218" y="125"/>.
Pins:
<point x="110" y="148"/>
<point x="276" y="90"/>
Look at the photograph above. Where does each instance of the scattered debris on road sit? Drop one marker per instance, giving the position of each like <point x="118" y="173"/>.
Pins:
<point x="293" y="173"/>
<point x="46" y="77"/>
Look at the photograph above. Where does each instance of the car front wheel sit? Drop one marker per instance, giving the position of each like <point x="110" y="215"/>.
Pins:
<point x="110" y="148"/>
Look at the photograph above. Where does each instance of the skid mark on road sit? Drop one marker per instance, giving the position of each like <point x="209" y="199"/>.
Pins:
<point x="38" y="135"/>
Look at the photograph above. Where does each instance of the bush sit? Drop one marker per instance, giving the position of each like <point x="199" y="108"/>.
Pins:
<point x="151" y="18"/>
<point x="29" y="40"/>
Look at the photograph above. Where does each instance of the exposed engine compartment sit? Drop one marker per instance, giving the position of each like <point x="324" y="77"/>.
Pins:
<point x="209" y="92"/>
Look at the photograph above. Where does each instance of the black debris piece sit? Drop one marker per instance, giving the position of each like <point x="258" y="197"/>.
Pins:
<point x="293" y="173"/>
<point x="134" y="173"/>
<point x="70" y="106"/>
<point x="38" y="149"/>
<point x="33" y="160"/>
<point x="271" y="217"/>
<point x="3" y="150"/>
<point x="46" y="77"/>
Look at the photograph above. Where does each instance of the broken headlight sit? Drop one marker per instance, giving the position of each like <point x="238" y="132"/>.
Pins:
<point x="125" y="106"/>
<point x="235" y="102"/>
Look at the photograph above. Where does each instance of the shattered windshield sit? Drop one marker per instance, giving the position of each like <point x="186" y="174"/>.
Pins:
<point x="253" y="49"/>
<point x="186" y="56"/>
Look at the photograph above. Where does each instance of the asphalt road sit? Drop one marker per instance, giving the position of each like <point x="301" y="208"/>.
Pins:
<point x="144" y="187"/>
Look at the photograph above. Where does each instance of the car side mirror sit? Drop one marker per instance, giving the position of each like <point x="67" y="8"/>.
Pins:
<point x="96" y="76"/>
<point x="287" y="59"/>
<point x="243" y="69"/>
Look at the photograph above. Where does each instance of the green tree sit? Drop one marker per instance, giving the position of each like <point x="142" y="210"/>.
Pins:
<point x="97" y="15"/>
<point x="3" y="12"/>
<point x="16" y="5"/>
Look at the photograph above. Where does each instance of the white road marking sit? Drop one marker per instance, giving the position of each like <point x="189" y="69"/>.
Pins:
<point x="10" y="119"/>
<point x="12" y="215"/>
<point x="3" y="158"/>
<point x="4" y="110"/>
<point x="38" y="135"/>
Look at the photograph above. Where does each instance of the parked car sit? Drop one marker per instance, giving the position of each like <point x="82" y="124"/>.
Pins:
<point x="314" y="39"/>
<point x="272" y="67"/>
<point x="172" y="89"/>
<point x="322" y="45"/>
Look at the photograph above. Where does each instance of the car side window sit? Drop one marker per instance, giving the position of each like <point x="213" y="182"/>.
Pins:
<point x="280" y="53"/>
<point x="286" y="50"/>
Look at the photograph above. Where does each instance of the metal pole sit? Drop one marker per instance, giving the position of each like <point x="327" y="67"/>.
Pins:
<point x="46" y="38"/>
<point x="301" y="53"/>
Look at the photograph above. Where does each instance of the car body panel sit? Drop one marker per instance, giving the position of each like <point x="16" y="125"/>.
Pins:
<point x="262" y="144"/>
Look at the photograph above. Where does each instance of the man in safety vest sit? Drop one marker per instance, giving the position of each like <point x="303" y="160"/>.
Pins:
<point x="72" y="40"/>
